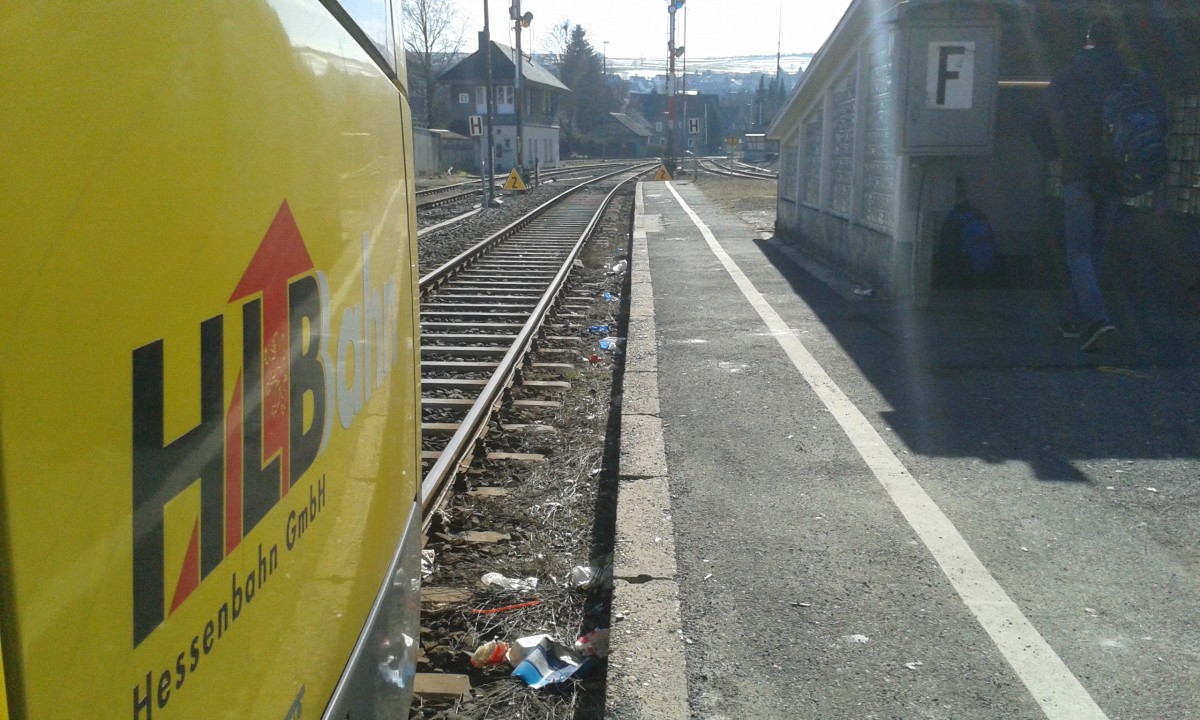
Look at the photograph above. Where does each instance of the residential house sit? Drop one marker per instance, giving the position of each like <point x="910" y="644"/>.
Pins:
<point x="541" y="96"/>
<point x="624" y="135"/>
<point x="704" y="110"/>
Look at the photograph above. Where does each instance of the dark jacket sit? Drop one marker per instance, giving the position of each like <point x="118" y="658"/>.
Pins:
<point x="1074" y="102"/>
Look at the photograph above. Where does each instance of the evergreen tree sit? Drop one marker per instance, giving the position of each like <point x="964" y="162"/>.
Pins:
<point x="592" y="96"/>
<point x="761" y="98"/>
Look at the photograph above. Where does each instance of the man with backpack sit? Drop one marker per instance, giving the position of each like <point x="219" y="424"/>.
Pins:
<point x="1089" y="102"/>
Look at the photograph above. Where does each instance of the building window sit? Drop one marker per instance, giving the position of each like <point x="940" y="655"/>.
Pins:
<point x="841" y="168"/>
<point x="877" y="203"/>
<point x="788" y="157"/>
<point x="658" y="126"/>
<point x="481" y="99"/>
<point x="504" y="98"/>
<point x="811" y="167"/>
<point x="464" y="98"/>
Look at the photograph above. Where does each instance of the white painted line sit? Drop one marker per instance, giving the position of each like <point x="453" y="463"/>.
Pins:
<point x="1043" y="672"/>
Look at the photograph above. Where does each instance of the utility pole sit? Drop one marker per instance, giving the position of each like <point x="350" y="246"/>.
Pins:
<point x="519" y="21"/>
<point x="683" y="84"/>
<point x="673" y="52"/>
<point x="491" y="139"/>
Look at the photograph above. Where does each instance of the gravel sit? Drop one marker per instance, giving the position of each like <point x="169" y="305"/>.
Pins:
<point x="554" y="515"/>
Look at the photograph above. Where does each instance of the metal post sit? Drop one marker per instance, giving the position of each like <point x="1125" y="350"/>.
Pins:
<point x="683" y="86"/>
<point x="671" y="91"/>
<point x="684" y="78"/>
<point x="483" y="176"/>
<point x="518" y="21"/>
<point x="491" y="135"/>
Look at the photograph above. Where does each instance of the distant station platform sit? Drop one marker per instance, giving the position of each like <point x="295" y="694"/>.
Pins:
<point x="835" y="505"/>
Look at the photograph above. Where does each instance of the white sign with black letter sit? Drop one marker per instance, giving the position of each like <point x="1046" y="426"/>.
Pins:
<point x="694" y="126"/>
<point x="476" y="122"/>
<point x="950" y="75"/>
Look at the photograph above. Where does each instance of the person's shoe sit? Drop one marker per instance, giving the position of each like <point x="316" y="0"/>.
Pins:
<point x="1095" y="334"/>
<point x="1071" y="329"/>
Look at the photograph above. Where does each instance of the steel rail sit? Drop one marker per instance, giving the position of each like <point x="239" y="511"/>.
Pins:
<point x="447" y="223"/>
<point x="435" y="196"/>
<point x="730" y="172"/>
<point x="471" y="428"/>
<point x="446" y="199"/>
<point x="444" y="188"/>
<point x="447" y="270"/>
<point x="747" y="167"/>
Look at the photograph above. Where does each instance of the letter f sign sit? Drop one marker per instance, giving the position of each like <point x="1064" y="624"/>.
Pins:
<point x="951" y="75"/>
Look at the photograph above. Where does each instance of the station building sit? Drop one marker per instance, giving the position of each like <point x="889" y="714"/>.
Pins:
<point x="881" y="129"/>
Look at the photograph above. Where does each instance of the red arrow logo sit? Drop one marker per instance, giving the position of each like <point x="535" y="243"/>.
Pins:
<point x="281" y="256"/>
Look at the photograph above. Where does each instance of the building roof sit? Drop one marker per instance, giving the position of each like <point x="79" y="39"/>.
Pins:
<point x="472" y="70"/>
<point x="448" y="134"/>
<point x="635" y="124"/>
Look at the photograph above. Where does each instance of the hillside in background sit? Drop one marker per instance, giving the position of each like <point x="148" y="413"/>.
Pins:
<point x="739" y="65"/>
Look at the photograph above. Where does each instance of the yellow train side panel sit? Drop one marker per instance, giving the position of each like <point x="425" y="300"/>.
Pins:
<point x="3" y="691"/>
<point x="208" y="445"/>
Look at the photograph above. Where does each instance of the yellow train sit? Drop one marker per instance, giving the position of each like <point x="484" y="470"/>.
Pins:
<point x="209" y="401"/>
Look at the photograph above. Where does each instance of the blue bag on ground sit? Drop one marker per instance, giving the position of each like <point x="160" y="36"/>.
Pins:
<point x="966" y="254"/>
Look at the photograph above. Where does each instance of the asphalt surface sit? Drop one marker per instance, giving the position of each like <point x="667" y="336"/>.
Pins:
<point x="837" y="506"/>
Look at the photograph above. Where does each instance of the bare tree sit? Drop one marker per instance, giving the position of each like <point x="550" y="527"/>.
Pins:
<point x="556" y="43"/>
<point x="433" y="34"/>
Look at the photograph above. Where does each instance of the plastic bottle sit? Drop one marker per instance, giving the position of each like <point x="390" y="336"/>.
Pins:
<point x="594" y="643"/>
<point x="490" y="653"/>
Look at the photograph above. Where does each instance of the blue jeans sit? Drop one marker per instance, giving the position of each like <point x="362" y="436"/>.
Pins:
<point x="1088" y="220"/>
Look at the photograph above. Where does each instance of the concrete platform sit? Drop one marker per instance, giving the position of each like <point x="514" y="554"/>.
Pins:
<point x="803" y="466"/>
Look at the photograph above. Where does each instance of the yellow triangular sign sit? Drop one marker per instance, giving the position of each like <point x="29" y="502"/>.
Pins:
<point x="514" y="181"/>
<point x="662" y="173"/>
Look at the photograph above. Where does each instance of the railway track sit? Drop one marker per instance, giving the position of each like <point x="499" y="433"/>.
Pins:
<point x="524" y="492"/>
<point x="743" y="171"/>
<point x="471" y="189"/>
<point x="484" y="316"/>
<point x="447" y="194"/>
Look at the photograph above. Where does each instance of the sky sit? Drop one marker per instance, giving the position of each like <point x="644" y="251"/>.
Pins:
<point x="640" y="28"/>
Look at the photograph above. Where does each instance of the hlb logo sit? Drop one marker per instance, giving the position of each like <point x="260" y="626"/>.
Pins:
<point x="248" y="455"/>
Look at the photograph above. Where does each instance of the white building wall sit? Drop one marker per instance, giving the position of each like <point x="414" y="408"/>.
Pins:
<point x="426" y="152"/>
<point x="541" y="145"/>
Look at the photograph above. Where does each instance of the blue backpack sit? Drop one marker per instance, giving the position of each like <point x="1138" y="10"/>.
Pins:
<point x="976" y="238"/>
<point x="1133" y="137"/>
